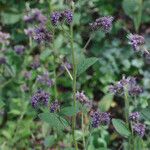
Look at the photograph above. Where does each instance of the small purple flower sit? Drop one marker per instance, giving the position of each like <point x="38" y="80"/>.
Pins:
<point x="35" y="15"/>
<point x="104" y="23"/>
<point x="35" y="64"/>
<point x="100" y="118"/>
<point x="29" y="31"/>
<point x="2" y="60"/>
<point x="56" y="17"/>
<point x="4" y="38"/>
<point x="40" y="98"/>
<point x="134" y="116"/>
<point x="136" y="41"/>
<point x="19" y="49"/>
<point x="42" y="35"/>
<point x="68" y="15"/>
<point x="80" y="96"/>
<point x="55" y="106"/>
<point x="67" y="65"/>
<point x="27" y="75"/>
<point x="139" y="129"/>
<point x="45" y="80"/>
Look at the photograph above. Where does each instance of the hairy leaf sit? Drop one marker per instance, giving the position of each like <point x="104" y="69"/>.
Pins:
<point x="84" y="64"/>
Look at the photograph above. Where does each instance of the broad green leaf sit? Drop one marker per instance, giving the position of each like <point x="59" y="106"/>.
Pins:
<point x="84" y="64"/>
<point x="105" y="102"/>
<point x="121" y="127"/>
<point x="69" y="111"/>
<point x="10" y="18"/>
<point x="133" y="8"/>
<point x="1" y="103"/>
<point x="54" y="120"/>
<point x="138" y="143"/>
<point x="49" y="141"/>
<point x="146" y="113"/>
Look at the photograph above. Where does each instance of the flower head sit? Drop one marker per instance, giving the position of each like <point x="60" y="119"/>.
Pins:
<point x="68" y="15"/>
<point x="136" y="41"/>
<point x="29" y="31"/>
<point x="4" y="38"/>
<point x="80" y="96"/>
<point x="104" y="23"/>
<point x="128" y="83"/>
<point x="55" y="18"/>
<point x="19" y="49"/>
<point x="45" y="80"/>
<point x="40" y="98"/>
<point x="55" y="106"/>
<point x="139" y="129"/>
<point x="134" y="116"/>
<point x="35" y="15"/>
<point x="35" y="64"/>
<point x="42" y="35"/>
<point x="100" y="118"/>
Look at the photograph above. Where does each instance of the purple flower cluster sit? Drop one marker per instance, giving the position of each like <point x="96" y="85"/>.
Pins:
<point x="100" y="118"/>
<point x="45" y="80"/>
<point x="40" y="98"/>
<point x="134" y="116"/>
<point x="4" y="38"/>
<point x="2" y="60"/>
<point x="80" y="96"/>
<point x="136" y="41"/>
<point x="35" y="15"/>
<point x="42" y="35"/>
<point x="103" y="23"/>
<point x="57" y="17"/>
<point x="139" y="129"/>
<point x="19" y="49"/>
<point x="68" y="16"/>
<point x="129" y="83"/>
<point x="55" y="106"/>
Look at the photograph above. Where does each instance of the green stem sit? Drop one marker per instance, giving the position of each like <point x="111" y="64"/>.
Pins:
<point x="126" y="107"/>
<point x="83" y="137"/>
<point x="73" y="84"/>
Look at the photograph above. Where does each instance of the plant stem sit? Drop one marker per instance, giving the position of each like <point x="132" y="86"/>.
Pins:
<point x="73" y="84"/>
<point x="83" y="137"/>
<point x="126" y="107"/>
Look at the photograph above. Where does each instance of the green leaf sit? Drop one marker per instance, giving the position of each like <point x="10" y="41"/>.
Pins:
<point x="105" y="102"/>
<point x="133" y="8"/>
<point x="10" y="18"/>
<point x="146" y="113"/>
<point x="1" y="103"/>
<point x="54" y="120"/>
<point x="49" y="141"/>
<point x="69" y="111"/>
<point x="84" y="64"/>
<point x="121" y="127"/>
<point x="138" y="143"/>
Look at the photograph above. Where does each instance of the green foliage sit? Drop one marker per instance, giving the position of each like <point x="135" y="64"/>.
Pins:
<point x="55" y="121"/>
<point x="134" y="10"/>
<point x="121" y="127"/>
<point x="49" y="141"/>
<point x="146" y="113"/>
<point x="1" y="103"/>
<point x="84" y="64"/>
<point x="69" y="111"/>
